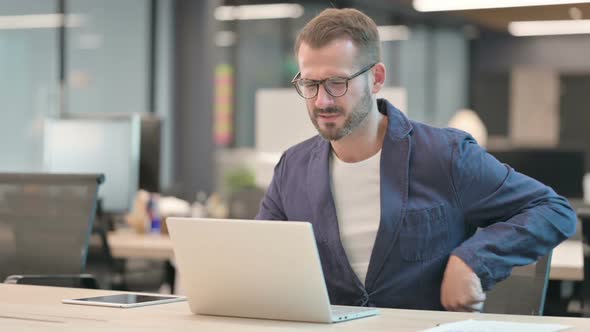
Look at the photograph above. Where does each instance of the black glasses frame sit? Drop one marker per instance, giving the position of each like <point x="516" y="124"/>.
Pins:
<point x="297" y="78"/>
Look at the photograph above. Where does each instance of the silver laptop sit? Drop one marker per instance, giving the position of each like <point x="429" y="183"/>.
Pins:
<point x="255" y="269"/>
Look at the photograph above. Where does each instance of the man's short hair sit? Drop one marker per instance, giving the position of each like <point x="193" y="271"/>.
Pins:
<point x="332" y="24"/>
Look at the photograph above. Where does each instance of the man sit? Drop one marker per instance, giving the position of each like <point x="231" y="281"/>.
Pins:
<point x="405" y="215"/>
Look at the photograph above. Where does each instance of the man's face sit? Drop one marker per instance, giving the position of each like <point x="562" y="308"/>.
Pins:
<point x="335" y="117"/>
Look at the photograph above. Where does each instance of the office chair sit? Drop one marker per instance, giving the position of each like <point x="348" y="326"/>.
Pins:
<point x="523" y="292"/>
<point x="582" y="289"/>
<point x="245" y="203"/>
<point x="45" y="222"/>
<point x="57" y="280"/>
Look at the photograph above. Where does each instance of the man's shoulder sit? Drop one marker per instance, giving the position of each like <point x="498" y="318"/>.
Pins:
<point x="436" y="135"/>
<point x="303" y="149"/>
<point x="435" y="143"/>
<point x="401" y="125"/>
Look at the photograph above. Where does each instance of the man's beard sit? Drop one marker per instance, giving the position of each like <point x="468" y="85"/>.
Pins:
<point x="353" y="120"/>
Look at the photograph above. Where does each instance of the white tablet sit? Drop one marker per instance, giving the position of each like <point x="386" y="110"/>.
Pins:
<point x="126" y="300"/>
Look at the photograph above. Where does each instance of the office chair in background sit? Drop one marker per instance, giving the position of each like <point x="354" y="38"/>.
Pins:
<point x="245" y="203"/>
<point x="58" y="280"/>
<point x="523" y="292"/>
<point x="45" y="224"/>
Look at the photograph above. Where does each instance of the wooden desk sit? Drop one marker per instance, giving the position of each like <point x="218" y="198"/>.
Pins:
<point x="567" y="262"/>
<point x="33" y="308"/>
<point x="129" y="244"/>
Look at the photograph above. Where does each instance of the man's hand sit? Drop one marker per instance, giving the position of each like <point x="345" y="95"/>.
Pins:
<point x="461" y="288"/>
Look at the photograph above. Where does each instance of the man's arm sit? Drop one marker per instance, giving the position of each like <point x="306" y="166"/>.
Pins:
<point x="519" y="218"/>
<point x="271" y="207"/>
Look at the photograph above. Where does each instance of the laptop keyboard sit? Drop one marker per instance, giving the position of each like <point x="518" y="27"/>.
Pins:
<point x="339" y="311"/>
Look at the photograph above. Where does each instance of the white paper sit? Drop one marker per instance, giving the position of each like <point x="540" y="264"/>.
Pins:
<point x="494" y="326"/>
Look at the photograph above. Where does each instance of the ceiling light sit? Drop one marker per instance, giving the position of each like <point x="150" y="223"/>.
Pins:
<point x="258" y="12"/>
<point x="39" y="21"/>
<point x="440" y="5"/>
<point x="576" y="13"/>
<point x="543" y="28"/>
<point x="393" y="32"/>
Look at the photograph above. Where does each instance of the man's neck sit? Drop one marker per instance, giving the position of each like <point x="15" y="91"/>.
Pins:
<point x="365" y="141"/>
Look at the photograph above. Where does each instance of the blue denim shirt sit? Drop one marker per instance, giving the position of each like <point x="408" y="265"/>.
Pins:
<point x="441" y="194"/>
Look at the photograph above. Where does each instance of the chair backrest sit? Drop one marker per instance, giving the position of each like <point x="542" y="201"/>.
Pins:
<point x="245" y="203"/>
<point x="45" y="222"/>
<point x="523" y="292"/>
<point x="58" y="280"/>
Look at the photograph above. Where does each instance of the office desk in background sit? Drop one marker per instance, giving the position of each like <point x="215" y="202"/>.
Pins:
<point x="33" y="308"/>
<point x="137" y="261"/>
<point x="567" y="262"/>
<point x="127" y="243"/>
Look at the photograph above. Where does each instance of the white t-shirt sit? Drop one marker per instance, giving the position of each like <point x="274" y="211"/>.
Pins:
<point x="356" y="191"/>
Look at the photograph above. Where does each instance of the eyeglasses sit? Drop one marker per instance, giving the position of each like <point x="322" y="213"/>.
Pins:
<point x="335" y="86"/>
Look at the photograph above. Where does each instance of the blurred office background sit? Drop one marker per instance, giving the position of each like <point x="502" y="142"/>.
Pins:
<point x="211" y="73"/>
<point x="202" y="67"/>
<point x="184" y="96"/>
